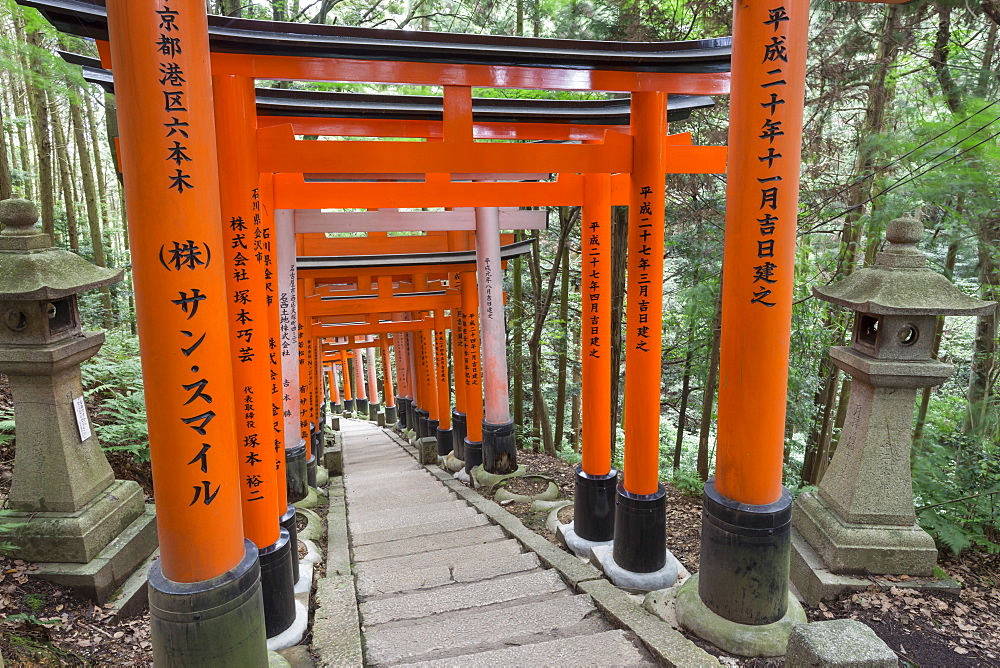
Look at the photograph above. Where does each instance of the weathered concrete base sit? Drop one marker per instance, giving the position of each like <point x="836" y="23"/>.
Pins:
<point x="581" y="547"/>
<point x="862" y="548"/>
<point x="311" y="500"/>
<point x="487" y="479"/>
<point x="427" y="450"/>
<point x="333" y="460"/>
<point x="551" y="493"/>
<point x="816" y="583"/>
<point x="838" y="643"/>
<point x="75" y="536"/>
<point x="102" y="576"/>
<point x="552" y="522"/>
<point x="132" y="598"/>
<point x="741" y="639"/>
<point x="322" y="476"/>
<point x="275" y="660"/>
<point x="602" y="556"/>
<point x="380" y="419"/>
<point x="335" y="422"/>
<point x="293" y="634"/>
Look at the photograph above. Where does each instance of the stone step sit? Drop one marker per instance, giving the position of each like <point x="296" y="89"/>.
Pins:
<point x="452" y="556"/>
<point x="432" y="526"/>
<point x="400" y="499"/>
<point x="403" y="517"/>
<point x="439" y="541"/>
<point x="483" y="631"/>
<point x="611" y="648"/>
<point x="380" y="581"/>
<point x="460" y="597"/>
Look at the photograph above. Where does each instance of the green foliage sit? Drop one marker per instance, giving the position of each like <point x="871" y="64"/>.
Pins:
<point x="114" y="379"/>
<point x="955" y="480"/>
<point x="34" y="602"/>
<point x="688" y="482"/>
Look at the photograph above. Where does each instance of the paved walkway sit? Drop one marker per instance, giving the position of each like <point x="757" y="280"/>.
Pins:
<point x="438" y="584"/>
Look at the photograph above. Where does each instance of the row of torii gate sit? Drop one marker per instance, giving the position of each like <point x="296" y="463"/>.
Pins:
<point x="242" y="297"/>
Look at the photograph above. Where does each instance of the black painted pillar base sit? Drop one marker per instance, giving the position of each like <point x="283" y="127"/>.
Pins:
<point x="499" y="448"/>
<point x="287" y="523"/>
<point x="216" y="622"/>
<point x="594" y="505"/>
<point x="411" y="415"/>
<point x="296" y="472"/>
<point x="312" y="466"/>
<point x="422" y="419"/>
<point x="640" y="530"/>
<point x="402" y="409"/>
<point x="390" y="416"/>
<point x="444" y="441"/>
<point x="277" y="584"/>
<point x="338" y="409"/>
<point x="348" y="406"/>
<point x="317" y="445"/>
<point x="458" y="433"/>
<point x="362" y="407"/>
<point x="745" y="553"/>
<point x="473" y="454"/>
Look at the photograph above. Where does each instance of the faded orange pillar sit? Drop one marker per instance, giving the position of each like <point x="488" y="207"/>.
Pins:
<point x="331" y="372"/>
<point x="345" y="373"/>
<point x="640" y="513"/>
<point x="499" y="443"/>
<point x="747" y="512"/>
<point x="235" y="114"/>
<point x="389" y="395"/>
<point x="169" y="161"/>
<point x="596" y="481"/>
<point x="168" y="152"/>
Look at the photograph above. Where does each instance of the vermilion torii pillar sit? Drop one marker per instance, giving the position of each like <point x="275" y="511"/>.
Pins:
<point x="389" y="397"/>
<point x="373" y="403"/>
<point x="443" y="432"/>
<point x="360" y="391"/>
<point x="473" y="381"/>
<point x="596" y="480"/>
<point x="346" y="375"/>
<point x="334" y="388"/>
<point x="640" y="513"/>
<point x="746" y="525"/>
<point x="264" y="205"/>
<point x="168" y="149"/>
<point x="235" y="113"/>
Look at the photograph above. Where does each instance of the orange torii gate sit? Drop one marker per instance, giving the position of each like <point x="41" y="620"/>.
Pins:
<point x="151" y="107"/>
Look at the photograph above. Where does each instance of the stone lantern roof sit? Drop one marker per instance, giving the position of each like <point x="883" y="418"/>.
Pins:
<point x="31" y="269"/>
<point x="899" y="283"/>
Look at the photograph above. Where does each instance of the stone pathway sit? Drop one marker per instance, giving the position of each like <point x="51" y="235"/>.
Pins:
<point x="438" y="584"/>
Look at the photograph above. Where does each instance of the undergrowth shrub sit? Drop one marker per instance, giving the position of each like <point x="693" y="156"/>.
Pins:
<point x="956" y="482"/>
<point x="112" y="381"/>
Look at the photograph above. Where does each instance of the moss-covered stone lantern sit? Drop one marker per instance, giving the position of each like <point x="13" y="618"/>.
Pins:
<point x="65" y="508"/>
<point x="861" y="519"/>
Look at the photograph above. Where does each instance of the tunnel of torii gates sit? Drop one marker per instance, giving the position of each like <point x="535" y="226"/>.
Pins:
<point x="225" y="309"/>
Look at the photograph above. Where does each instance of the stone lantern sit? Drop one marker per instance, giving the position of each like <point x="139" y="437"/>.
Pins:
<point x="65" y="508"/>
<point x="861" y="520"/>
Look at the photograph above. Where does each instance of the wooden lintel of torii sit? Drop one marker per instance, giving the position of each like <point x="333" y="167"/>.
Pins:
<point x="328" y="330"/>
<point x="371" y="304"/>
<point x="312" y="221"/>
